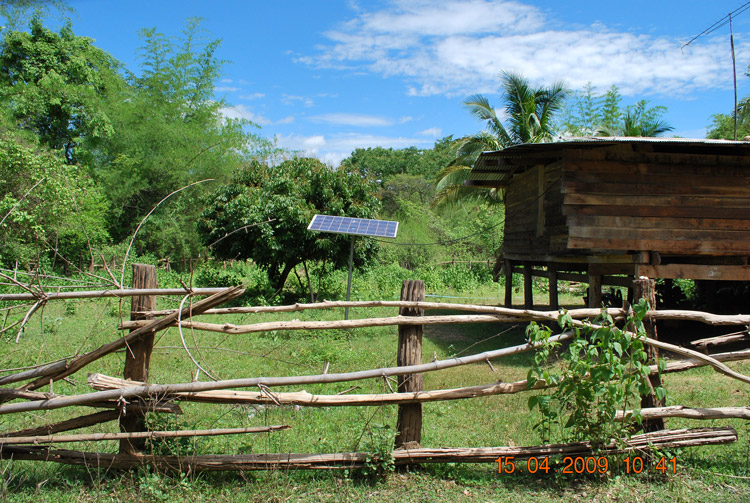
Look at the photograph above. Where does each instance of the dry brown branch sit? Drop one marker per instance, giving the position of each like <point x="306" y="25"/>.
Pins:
<point x="519" y="313"/>
<point x="703" y="344"/>
<point x="106" y="268"/>
<point x="303" y="398"/>
<point x="135" y="233"/>
<point x="67" y="425"/>
<point x="168" y="389"/>
<point x="689" y="412"/>
<point x="10" y="326"/>
<point x="35" y="372"/>
<point x="25" y="320"/>
<point x="96" y="294"/>
<point x="81" y="361"/>
<point x="526" y="314"/>
<point x="717" y="365"/>
<point x="36" y="295"/>
<point x="102" y="382"/>
<point x="184" y="344"/>
<point x="100" y="437"/>
<point x="664" y="439"/>
<point x="28" y="367"/>
<point x="706" y="318"/>
<point x="680" y="365"/>
<point x="228" y="328"/>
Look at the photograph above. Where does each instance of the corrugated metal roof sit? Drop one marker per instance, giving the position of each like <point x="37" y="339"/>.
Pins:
<point x="495" y="167"/>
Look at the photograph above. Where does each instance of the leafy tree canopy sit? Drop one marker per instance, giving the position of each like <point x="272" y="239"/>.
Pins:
<point x="169" y="132"/>
<point x="722" y="125"/>
<point x="383" y="163"/>
<point x="275" y="206"/>
<point x="18" y="13"/>
<point x="45" y="204"/>
<point x="592" y="114"/>
<point x="53" y="85"/>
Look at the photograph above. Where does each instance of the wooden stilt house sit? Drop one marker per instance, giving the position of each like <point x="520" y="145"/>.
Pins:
<point x="605" y="210"/>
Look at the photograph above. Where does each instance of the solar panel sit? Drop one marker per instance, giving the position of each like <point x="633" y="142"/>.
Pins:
<point x="357" y="226"/>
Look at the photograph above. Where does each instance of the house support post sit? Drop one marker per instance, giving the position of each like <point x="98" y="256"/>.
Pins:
<point x="528" y="293"/>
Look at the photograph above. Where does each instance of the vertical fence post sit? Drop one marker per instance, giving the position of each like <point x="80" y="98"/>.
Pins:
<point x="409" y="425"/>
<point x="645" y="288"/>
<point x="138" y="354"/>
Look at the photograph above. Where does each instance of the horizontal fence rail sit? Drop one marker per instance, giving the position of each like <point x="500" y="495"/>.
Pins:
<point x="136" y="394"/>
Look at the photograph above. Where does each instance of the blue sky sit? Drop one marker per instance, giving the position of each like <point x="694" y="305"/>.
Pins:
<point x="326" y="77"/>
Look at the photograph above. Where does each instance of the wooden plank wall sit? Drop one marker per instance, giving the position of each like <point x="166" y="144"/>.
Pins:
<point x="527" y="201"/>
<point x="633" y="197"/>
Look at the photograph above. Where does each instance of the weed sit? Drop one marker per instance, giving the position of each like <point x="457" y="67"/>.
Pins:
<point x="603" y="370"/>
<point x="379" y="446"/>
<point x="177" y="446"/>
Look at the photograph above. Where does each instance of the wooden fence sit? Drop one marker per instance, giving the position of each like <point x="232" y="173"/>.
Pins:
<point x="128" y="399"/>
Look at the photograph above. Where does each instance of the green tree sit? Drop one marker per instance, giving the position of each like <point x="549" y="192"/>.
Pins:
<point x="383" y="163"/>
<point x="589" y="114"/>
<point x="640" y="120"/>
<point x="722" y="125"/>
<point x="54" y="83"/>
<point x="45" y="204"/>
<point x="530" y="116"/>
<point x="170" y="132"/>
<point x="274" y="205"/>
<point x="18" y="13"/>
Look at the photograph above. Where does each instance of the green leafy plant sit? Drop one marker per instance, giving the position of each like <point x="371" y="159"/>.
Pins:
<point x="177" y="446"/>
<point x="603" y="370"/>
<point x="379" y="446"/>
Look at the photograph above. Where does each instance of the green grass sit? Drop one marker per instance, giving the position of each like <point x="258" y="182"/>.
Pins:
<point x="704" y="474"/>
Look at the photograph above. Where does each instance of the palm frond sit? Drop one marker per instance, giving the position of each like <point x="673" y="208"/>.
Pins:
<point x="452" y="175"/>
<point x="479" y="106"/>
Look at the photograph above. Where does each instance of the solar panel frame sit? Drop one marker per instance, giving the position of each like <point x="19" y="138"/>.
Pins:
<point x="354" y="226"/>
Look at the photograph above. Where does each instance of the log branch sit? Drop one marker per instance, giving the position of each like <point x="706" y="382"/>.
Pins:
<point x="100" y="437"/>
<point x="75" y="364"/>
<point x="664" y="439"/>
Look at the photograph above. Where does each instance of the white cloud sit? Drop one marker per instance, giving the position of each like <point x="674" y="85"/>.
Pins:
<point x="457" y="47"/>
<point x="242" y="112"/>
<point x="433" y="132"/>
<point x="424" y="17"/>
<point x="290" y="99"/>
<point x="359" y="120"/>
<point x="253" y="96"/>
<point x="337" y="147"/>
<point x="226" y="89"/>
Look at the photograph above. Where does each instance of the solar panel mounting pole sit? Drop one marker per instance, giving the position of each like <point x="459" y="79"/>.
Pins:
<point x="353" y="227"/>
<point x="349" y="281"/>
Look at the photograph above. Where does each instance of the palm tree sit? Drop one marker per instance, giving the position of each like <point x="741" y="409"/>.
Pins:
<point x="530" y="116"/>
